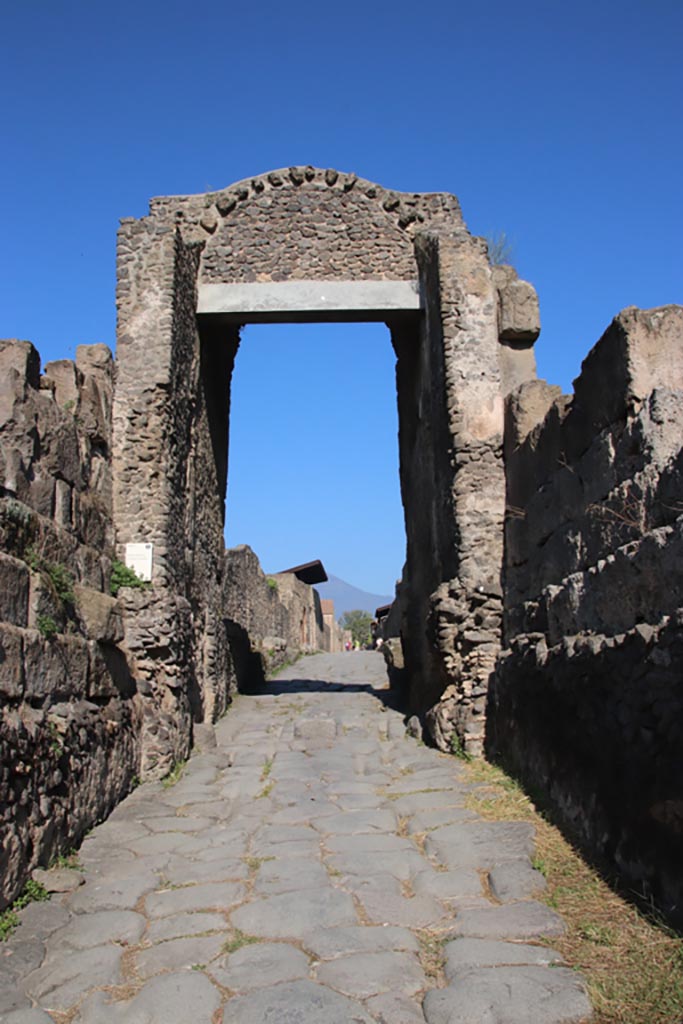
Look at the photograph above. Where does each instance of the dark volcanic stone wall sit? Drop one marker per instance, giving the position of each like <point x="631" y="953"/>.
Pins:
<point x="68" y="747"/>
<point x="587" y="703"/>
<point x="271" y="620"/>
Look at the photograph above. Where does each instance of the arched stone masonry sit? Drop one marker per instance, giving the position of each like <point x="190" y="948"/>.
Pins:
<point x="310" y="244"/>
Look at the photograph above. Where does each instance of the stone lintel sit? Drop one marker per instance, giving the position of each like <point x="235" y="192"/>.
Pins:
<point x="366" y="300"/>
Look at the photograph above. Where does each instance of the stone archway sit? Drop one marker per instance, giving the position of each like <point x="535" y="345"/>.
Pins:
<point x="308" y="244"/>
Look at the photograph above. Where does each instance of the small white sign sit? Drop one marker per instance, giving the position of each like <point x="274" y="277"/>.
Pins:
<point x="139" y="559"/>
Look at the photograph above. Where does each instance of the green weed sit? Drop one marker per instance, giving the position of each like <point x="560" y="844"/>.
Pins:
<point x="174" y="774"/>
<point x="33" y="892"/>
<point x="47" y="627"/>
<point x="238" y="940"/>
<point x="123" y="576"/>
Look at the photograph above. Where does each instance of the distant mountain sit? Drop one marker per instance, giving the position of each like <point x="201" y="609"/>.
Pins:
<point x="348" y="598"/>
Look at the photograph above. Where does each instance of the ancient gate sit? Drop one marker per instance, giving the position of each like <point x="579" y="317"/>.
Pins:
<point x="294" y="245"/>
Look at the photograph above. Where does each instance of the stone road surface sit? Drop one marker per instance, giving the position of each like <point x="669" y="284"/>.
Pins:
<point x="308" y="869"/>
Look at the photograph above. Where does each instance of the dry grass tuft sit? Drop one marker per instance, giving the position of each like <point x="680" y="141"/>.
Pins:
<point x="432" y="957"/>
<point x="632" y="963"/>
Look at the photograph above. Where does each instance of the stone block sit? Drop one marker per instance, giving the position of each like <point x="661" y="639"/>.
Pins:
<point x="40" y="494"/>
<point x="99" y="615"/>
<point x="518" y="314"/>
<point x="11" y="662"/>
<point x="64" y="379"/>
<point x="21" y="360"/>
<point x="525" y="409"/>
<point x="56" y="669"/>
<point x="110" y="674"/>
<point x="59" y="450"/>
<point x="44" y="603"/>
<point x="63" y="504"/>
<point x="641" y="349"/>
<point x="14" y="590"/>
<point x="96" y="360"/>
<point x="517" y="363"/>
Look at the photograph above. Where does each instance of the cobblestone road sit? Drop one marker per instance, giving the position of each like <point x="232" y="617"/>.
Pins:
<point x="312" y="868"/>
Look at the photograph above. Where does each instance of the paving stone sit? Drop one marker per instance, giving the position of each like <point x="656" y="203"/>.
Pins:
<point x="210" y="896"/>
<point x="112" y="894"/>
<point x="218" y="810"/>
<point x="182" y="925"/>
<point x="11" y="997"/>
<point x="64" y="979"/>
<point x="316" y="728"/>
<point x="356" y="822"/>
<point x="530" y="920"/>
<point x="143" y="804"/>
<point x="510" y="995"/>
<point x="178" y="954"/>
<point x="360" y="801"/>
<point x="351" y="786"/>
<point x="362" y="975"/>
<point x="58" y="879"/>
<point x="178" y="824"/>
<point x="27" y="1016"/>
<point x="294" y="1002"/>
<point x="41" y="919"/>
<point x="23" y="956"/>
<point x="264" y="963"/>
<point x="385" y="904"/>
<point x="102" y="858"/>
<point x="447" y="885"/>
<point x="399" y="864"/>
<point x="115" y="834"/>
<point x="490" y="953"/>
<point x="293" y="914"/>
<point x="274" y="835"/>
<point x="482" y="844"/>
<point x="437" y="817"/>
<point x="85" y="931"/>
<point x="168" y="999"/>
<point x="394" y="1008"/>
<point x="298" y="813"/>
<point x="515" y="881"/>
<point x="243" y="789"/>
<point x="183" y="871"/>
<point x="222" y="844"/>
<point x="163" y="842"/>
<point x="327" y="943"/>
<point x="310" y="849"/>
<point x="421" y="782"/>
<point x="278" y="876"/>
<point x="373" y="842"/>
<point x="416" y="803"/>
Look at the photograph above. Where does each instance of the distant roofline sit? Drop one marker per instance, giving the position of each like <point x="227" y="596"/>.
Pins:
<point x="308" y="572"/>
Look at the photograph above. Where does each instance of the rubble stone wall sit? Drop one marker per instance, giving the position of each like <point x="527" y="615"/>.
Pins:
<point x="68" y="737"/>
<point x="587" y="703"/>
<point x="271" y="620"/>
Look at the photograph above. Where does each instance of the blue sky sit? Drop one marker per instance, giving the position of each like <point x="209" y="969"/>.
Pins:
<point x="558" y="124"/>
